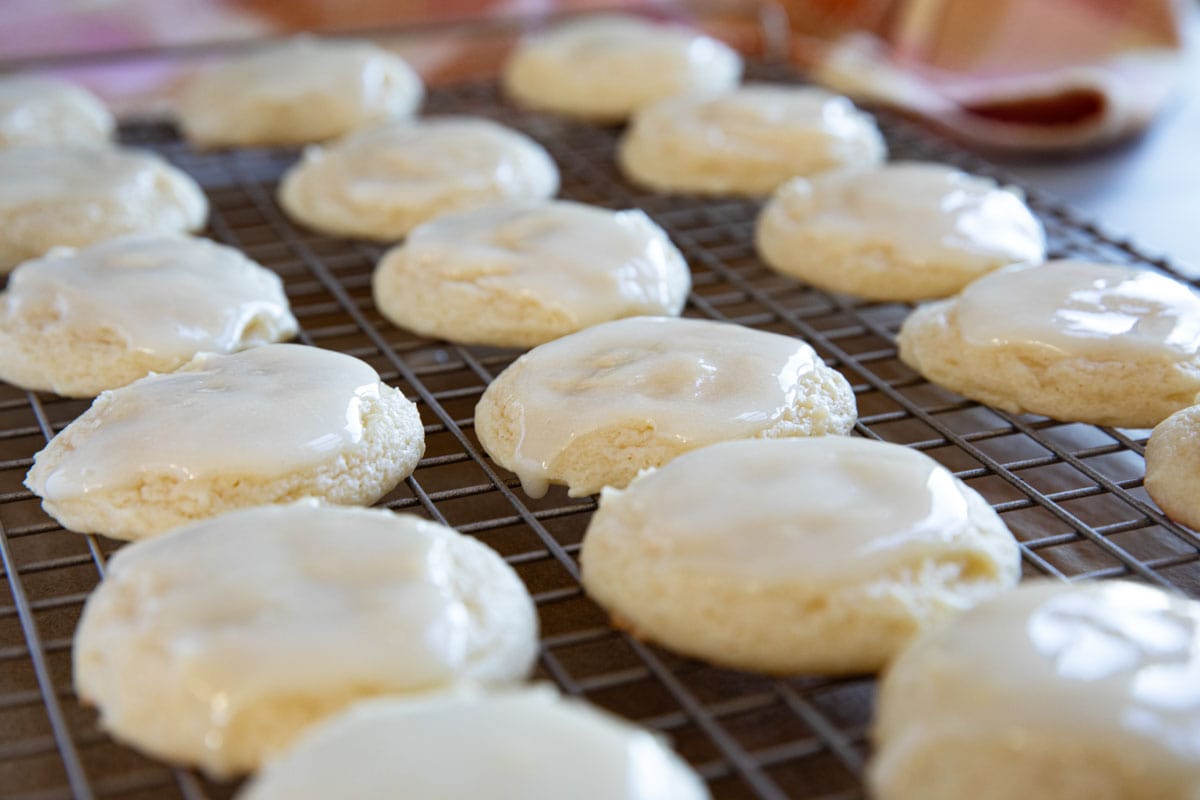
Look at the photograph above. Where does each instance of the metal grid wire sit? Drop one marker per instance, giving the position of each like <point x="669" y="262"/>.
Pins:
<point x="1071" y="493"/>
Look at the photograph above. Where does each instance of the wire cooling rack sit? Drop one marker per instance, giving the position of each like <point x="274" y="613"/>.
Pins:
<point x="1071" y="493"/>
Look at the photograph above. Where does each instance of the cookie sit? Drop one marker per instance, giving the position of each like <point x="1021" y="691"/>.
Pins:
<point x="76" y="196"/>
<point x="824" y="555"/>
<point x="520" y="274"/>
<point x="217" y="644"/>
<point x="381" y="183"/>
<point x="604" y="68"/>
<point x="593" y="408"/>
<point x="526" y="743"/>
<point x="1072" y="340"/>
<point x="267" y="425"/>
<point x="900" y="231"/>
<point x="1173" y="466"/>
<point x="77" y="322"/>
<point x="36" y="110"/>
<point x="296" y="92"/>
<point x="1071" y="692"/>
<point x="746" y="141"/>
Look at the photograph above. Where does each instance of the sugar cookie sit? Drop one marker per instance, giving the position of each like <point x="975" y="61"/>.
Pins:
<point x="267" y="425"/>
<point x="603" y="68"/>
<point x="520" y="274"/>
<point x="1071" y="692"/>
<point x="380" y="183"/>
<point x="525" y="743"/>
<point x="217" y="644"/>
<point x="1173" y="466"/>
<point x="300" y="91"/>
<point x="593" y="408"/>
<point x="77" y="322"/>
<point x="36" y="110"/>
<point x="77" y="196"/>
<point x="746" y="141"/>
<point x="822" y="555"/>
<point x="900" y="231"/>
<point x="1072" y="340"/>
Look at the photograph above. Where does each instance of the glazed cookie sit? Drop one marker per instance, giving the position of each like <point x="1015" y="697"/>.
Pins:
<point x="300" y="91"/>
<point x="1071" y="692"/>
<point x="52" y="196"/>
<point x="791" y="556"/>
<point x="381" y="183"/>
<point x="527" y="743"/>
<point x="267" y="425"/>
<point x="35" y="110"/>
<point x="746" y="141"/>
<point x="217" y="644"/>
<point x="603" y="68"/>
<point x="77" y="322"/>
<point x="1173" y="466"/>
<point x="520" y="274"/>
<point x="593" y="408"/>
<point x="1072" y="340"/>
<point x="900" y="231"/>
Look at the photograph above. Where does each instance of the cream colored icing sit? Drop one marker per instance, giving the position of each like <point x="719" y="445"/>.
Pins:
<point x="818" y="510"/>
<point x="632" y="52"/>
<point x="40" y="110"/>
<point x="598" y="263"/>
<point x="350" y="79"/>
<point x="927" y="211"/>
<point x="204" y="296"/>
<point x="423" y="162"/>
<point x="302" y="599"/>
<point x="125" y="178"/>
<point x="266" y="411"/>
<point x="527" y="743"/>
<point x="1080" y="308"/>
<point x="1110" y="662"/>
<point x="694" y="380"/>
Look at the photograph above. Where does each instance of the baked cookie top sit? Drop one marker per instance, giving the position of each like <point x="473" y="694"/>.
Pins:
<point x="37" y="110"/>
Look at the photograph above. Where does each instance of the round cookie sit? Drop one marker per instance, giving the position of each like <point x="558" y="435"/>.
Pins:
<point x="1071" y="692"/>
<point x="381" y="183"/>
<point x="526" y="743"/>
<point x="604" y="68"/>
<point x="823" y="555"/>
<point x="267" y="425"/>
<point x="36" y="110"/>
<point x="1173" y="466"/>
<point x="218" y="643"/>
<point x="899" y="231"/>
<point x="746" y="141"/>
<point x="296" y="92"/>
<point x="77" y="322"/>
<point x="77" y="196"/>
<point x="520" y="274"/>
<point x="594" y="408"/>
<point x="1072" y="340"/>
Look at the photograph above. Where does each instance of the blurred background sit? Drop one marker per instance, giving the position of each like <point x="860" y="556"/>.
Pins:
<point x="1095" y="101"/>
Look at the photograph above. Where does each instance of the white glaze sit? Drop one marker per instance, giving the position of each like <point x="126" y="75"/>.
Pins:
<point x="127" y="179"/>
<point x="267" y="411"/>
<point x="927" y="211"/>
<point x="1080" y="308"/>
<point x="297" y="600"/>
<point x="526" y="744"/>
<point x="425" y="162"/>
<point x="821" y="510"/>
<point x="694" y="380"/>
<point x="339" y="84"/>
<point x="41" y="110"/>
<point x="597" y="263"/>
<point x="172" y="296"/>
<point x="1112" y="663"/>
